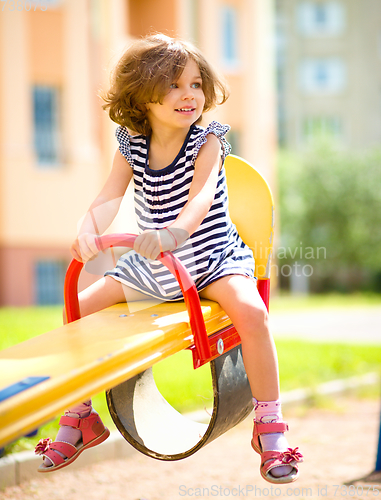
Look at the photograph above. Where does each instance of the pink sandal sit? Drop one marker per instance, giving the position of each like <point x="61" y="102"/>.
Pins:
<point x="93" y="433"/>
<point x="271" y="459"/>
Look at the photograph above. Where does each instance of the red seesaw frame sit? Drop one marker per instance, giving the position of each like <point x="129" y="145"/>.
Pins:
<point x="204" y="348"/>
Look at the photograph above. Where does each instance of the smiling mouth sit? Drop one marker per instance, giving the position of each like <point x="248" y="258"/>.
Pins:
<point x="185" y="110"/>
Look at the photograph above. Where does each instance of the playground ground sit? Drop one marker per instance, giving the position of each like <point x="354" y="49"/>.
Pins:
<point x="339" y="442"/>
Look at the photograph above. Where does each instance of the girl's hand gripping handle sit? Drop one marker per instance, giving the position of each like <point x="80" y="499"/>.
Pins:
<point x="174" y="265"/>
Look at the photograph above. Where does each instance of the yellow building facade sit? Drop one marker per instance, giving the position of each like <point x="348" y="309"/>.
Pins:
<point x="329" y="72"/>
<point x="56" y="142"/>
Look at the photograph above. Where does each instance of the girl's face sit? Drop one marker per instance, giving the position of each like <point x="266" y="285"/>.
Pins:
<point x="183" y="104"/>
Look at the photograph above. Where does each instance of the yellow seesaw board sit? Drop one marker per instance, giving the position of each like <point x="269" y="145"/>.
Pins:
<point x="93" y="354"/>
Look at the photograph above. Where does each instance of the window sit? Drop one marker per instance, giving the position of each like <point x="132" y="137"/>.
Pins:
<point x="230" y="36"/>
<point x="321" y="18"/>
<point x="322" y="75"/>
<point x="322" y="126"/>
<point x="46" y="125"/>
<point x="49" y="281"/>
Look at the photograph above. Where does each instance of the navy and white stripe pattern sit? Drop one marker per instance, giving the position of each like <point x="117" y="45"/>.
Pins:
<point x="214" y="250"/>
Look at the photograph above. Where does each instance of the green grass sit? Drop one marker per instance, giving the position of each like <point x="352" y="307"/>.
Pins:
<point x="183" y="387"/>
<point x="308" y="364"/>
<point x="22" y="323"/>
<point x="301" y="364"/>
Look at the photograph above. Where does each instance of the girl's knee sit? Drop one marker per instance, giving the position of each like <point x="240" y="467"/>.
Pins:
<point x="259" y="315"/>
<point x="254" y="322"/>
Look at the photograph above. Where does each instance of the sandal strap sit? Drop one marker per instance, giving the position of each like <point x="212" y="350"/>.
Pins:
<point x="266" y="428"/>
<point x="90" y="426"/>
<point x="80" y="423"/>
<point x="271" y="459"/>
<point x="270" y="428"/>
<point x="54" y="457"/>
<point x="70" y="421"/>
<point x="288" y="457"/>
<point x="272" y="455"/>
<point x="67" y="449"/>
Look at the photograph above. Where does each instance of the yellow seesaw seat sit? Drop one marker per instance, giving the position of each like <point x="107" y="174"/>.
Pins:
<point x="100" y="351"/>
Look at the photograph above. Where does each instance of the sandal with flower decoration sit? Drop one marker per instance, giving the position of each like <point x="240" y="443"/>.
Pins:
<point x="93" y="433"/>
<point x="271" y="459"/>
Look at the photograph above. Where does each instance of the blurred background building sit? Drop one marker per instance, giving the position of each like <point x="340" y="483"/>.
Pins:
<point x="328" y="55"/>
<point x="56" y="143"/>
<point x="329" y="71"/>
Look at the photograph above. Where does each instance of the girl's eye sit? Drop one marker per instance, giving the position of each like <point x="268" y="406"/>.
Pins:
<point x="196" y="85"/>
<point x="173" y="86"/>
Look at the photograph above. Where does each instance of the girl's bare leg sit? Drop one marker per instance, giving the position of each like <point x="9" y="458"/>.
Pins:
<point x="239" y="298"/>
<point x="105" y="293"/>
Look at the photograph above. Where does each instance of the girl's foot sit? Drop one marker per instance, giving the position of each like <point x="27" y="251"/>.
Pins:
<point x="278" y="459"/>
<point x="277" y="465"/>
<point x="276" y="442"/>
<point x="77" y="433"/>
<point x="68" y="434"/>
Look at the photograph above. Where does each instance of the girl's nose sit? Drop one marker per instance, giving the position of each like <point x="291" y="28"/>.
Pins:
<point x="188" y="95"/>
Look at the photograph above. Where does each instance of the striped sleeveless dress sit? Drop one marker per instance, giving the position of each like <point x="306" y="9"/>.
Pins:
<point x="214" y="250"/>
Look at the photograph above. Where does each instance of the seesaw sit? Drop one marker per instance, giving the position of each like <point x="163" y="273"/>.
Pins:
<point x="114" y="350"/>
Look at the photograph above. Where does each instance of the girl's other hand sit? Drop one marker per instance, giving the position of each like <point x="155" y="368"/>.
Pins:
<point x="150" y="244"/>
<point x="85" y="247"/>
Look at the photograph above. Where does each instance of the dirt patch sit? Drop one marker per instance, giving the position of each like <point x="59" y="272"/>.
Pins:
<point x="339" y="446"/>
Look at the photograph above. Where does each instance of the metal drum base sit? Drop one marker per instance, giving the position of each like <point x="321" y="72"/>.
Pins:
<point x="148" y="422"/>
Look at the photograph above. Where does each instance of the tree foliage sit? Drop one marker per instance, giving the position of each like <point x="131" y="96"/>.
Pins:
<point x="331" y="198"/>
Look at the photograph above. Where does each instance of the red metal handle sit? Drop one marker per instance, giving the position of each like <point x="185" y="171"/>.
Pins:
<point x="191" y="297"/>
<point x="264" y="291"/>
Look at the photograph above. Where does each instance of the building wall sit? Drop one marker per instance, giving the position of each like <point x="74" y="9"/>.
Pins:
<point x="41" y="204"/>
<point x="351" y="110"/>
<point x="72" y="48"/>
<point x="148" y="16"/>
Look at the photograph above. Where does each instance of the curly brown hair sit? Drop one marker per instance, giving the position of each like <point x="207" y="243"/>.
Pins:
<point x="144" y="74"/>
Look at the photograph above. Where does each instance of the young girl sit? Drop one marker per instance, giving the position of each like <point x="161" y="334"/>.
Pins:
<point x="159" y="91"/>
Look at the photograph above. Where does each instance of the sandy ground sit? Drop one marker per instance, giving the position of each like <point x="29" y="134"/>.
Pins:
<point x="339" y="445"/>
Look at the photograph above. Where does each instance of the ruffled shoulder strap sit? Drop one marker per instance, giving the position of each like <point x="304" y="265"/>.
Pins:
<point x="219" y="131"/>
<point x="124" y="139"/>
